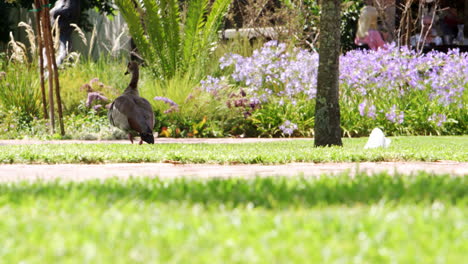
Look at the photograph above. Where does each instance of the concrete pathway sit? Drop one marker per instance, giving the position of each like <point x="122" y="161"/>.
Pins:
<point x="78" y="172"/>
<point x="157" y="141"/>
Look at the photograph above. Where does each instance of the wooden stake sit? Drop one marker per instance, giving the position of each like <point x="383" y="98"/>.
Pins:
<point x="50" y="57"/>
<point x="55" y="68"/>
<point x="41" y="57"/>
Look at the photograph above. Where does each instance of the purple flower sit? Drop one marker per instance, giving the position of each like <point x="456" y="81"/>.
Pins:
<point x="362" y="108"/>
<point x="173" y="106"/>
<point x="165" y="100"/>
<point x="92" y="96"/>
<point x="97" y="107"/>
<point x="367" y="110"/>
<point x="271" y="71"/>
<point x="212" y="84"/>
<point x="288" y="128"/>
<point x="371" y="111"/>
<point x="439" y="119"/>
<point x="401" y="118"/>
<point x="93" y="80"/>
<point x="254" y="103"/>
<point x="172" y="109"/>
<point x="369" y="80"/>
<point x="395" y="116"/>
<point x="392" y="115"/>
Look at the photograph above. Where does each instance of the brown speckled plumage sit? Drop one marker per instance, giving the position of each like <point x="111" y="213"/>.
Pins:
<point x="132" y="113"/>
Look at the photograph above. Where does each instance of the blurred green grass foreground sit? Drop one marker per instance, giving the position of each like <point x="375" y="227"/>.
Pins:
<point x="381" y="218"/>
<point x="418" y="218"/>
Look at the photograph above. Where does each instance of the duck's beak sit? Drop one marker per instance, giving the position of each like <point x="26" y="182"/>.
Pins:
<point x="126" y="72"/>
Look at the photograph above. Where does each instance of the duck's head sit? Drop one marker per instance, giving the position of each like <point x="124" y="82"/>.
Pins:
<point x="131" y="67"/>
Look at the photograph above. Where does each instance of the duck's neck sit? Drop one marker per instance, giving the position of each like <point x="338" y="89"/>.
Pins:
<point x="133" y="86"/>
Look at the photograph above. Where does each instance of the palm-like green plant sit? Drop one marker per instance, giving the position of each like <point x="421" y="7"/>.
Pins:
<point x="173" y="40"/>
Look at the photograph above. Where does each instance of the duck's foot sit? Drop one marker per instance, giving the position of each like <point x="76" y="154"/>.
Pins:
<point x="130" y="138"/>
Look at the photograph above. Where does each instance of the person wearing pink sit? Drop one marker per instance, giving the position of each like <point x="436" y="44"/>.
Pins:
<point x="373" y="40"/>
<point x="367" y="32"/>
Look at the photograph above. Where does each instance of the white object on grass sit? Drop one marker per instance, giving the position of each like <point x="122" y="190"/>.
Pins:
<point x="377" y="139"/>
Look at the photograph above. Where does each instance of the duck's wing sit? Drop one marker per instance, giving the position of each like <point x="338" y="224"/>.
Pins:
<point x="122" y="114"/>
<point x="132" y="113"/>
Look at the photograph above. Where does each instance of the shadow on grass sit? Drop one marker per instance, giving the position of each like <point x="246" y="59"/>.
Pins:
<point x="270" y="193"/>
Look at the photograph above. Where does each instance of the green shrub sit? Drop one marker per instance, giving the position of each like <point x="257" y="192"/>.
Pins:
<point x="171" y="40"/>
<point x="349" y="17"/>
<point x="106" y="75"/>
<point x="19" y="88"/>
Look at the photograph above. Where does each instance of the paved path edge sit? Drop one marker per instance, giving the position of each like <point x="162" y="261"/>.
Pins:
<point x="80" y="172"/>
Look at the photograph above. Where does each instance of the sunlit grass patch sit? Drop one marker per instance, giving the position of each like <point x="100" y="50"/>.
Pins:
<point x="401" y="149"/>
<point x="376" y="219"/>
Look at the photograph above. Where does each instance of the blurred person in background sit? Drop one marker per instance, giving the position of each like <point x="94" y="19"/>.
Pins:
<point x="449" y="25"/>
<point x="367" y="33"/>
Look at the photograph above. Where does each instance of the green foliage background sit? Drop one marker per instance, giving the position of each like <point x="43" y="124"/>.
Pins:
<point x="6" y="6"/>
<point x="174" y="41"/>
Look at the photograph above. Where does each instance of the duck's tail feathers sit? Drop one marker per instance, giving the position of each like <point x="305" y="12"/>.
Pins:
<point x="147" y="137"/>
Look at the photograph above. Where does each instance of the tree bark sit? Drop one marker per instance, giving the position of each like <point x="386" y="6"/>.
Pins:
<point x="327" y="108"/>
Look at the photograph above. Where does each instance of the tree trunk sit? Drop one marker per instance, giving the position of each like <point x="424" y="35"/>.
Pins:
<point x="327" y="108"/>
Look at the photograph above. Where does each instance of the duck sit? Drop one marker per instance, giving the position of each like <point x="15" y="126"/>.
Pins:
<point x="130" y="112"/>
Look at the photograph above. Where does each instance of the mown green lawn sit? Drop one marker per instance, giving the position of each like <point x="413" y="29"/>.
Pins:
<point x="377" y="219"/>
<point x="402" y="149"/>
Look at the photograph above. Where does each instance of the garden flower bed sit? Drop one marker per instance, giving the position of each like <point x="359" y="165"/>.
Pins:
<point x="267" y="92"/>
<point x="395" y="88"/>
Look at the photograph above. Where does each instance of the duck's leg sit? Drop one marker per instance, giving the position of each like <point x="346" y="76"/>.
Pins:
<point x="130" y="137"/>
<point x="141" y="141"/>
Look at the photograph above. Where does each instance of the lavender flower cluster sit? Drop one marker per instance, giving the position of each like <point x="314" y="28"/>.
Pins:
<point x="400" y="70"/>
<point x="174" y="107"/>
<point x="288" y="128"/>
<point x="374" y="82"/>
<point x="274" y="71"/>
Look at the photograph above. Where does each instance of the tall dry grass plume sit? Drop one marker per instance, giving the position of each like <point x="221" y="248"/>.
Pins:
<point x="17" y="51"/>
<point x="80" y="32"/>
<point x="31" y="38"/>
<point x="56" y="34"/>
